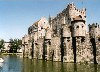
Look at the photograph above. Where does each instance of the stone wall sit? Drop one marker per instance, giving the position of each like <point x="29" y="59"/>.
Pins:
<point x="68" y="50"/>
<point x="63" y="38"/>
<point x="98" y="50"/>
<point x="84" y="51"/>
<point x="55" y="47"/>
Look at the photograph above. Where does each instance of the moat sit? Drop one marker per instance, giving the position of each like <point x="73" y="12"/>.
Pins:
<point x="15" y="63"/>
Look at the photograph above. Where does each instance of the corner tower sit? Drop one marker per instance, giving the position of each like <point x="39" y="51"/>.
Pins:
<point x="77" y="20"/>
<point x="94" y="32"/>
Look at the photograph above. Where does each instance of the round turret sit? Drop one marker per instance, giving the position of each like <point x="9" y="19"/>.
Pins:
<point x="78" y="27"/>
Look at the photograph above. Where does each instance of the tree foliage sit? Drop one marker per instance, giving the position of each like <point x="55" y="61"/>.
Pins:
<point x="15" y="44"/>
<point x="1" y="44"/>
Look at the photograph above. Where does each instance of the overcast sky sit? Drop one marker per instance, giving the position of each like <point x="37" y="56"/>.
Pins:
<point x="17" y="15"/>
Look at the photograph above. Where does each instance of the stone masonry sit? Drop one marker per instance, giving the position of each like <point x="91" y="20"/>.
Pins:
<point x="63" y="38"/>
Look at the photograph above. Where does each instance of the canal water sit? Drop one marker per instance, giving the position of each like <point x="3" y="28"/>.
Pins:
<point x="15" y="63"/>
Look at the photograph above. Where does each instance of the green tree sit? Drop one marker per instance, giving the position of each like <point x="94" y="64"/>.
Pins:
<point x="15" y="44"/>
<point x="1" y="44"/>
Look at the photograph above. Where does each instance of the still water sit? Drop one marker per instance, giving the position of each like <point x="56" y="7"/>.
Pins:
<point x="14" y="63"/>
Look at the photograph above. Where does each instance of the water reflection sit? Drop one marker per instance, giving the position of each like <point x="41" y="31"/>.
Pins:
<point x="95" y="68"/>
<point x="17" y="64"/>
<point x="43" y="66"/>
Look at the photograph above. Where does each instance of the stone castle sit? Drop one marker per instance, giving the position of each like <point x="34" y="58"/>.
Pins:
<point x="63" y="38"/>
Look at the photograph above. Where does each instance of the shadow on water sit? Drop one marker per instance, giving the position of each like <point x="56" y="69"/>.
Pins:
<point x="49" y="66"/>
<point x="95" y="67"/>
<point x="75" y="67"/>
<point x="17" y="64"/>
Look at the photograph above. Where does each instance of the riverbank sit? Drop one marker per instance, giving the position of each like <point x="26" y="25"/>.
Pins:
<point x="11" y="53"/>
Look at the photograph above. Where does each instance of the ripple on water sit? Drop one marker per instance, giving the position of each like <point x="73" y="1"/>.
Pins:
<point x="13" y="63"/>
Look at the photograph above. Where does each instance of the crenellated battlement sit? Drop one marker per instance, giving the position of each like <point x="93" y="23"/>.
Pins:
<point x="64" y="38"/>
<point x="74" y="12"/>
<point x="94" y="25"/>
<point x="94" y="30"/>
<point x="71" y="6"/>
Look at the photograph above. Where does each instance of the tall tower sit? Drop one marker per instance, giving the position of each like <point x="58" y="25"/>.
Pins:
<point x="94" y="32"/>
<point x="67" y="51"/>
<point x="77" y="19"/>
<point x="47" y="45"/>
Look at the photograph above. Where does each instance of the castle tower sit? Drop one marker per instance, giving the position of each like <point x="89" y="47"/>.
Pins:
<point x="77" y="19"/>
<point x="37" y="34"/>
<point x="30" y="47"/>
<point x="25" y="46"/>
<point x="94" y="32"/>
<point x="78" y="27"/>
<point x="67" y="50"/>
<point x="47" y="45"/>
<point x="78" y="37"/>
<point x="73" y="12"/>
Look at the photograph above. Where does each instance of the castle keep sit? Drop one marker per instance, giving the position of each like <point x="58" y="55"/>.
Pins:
<point x="63" y="38"/>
